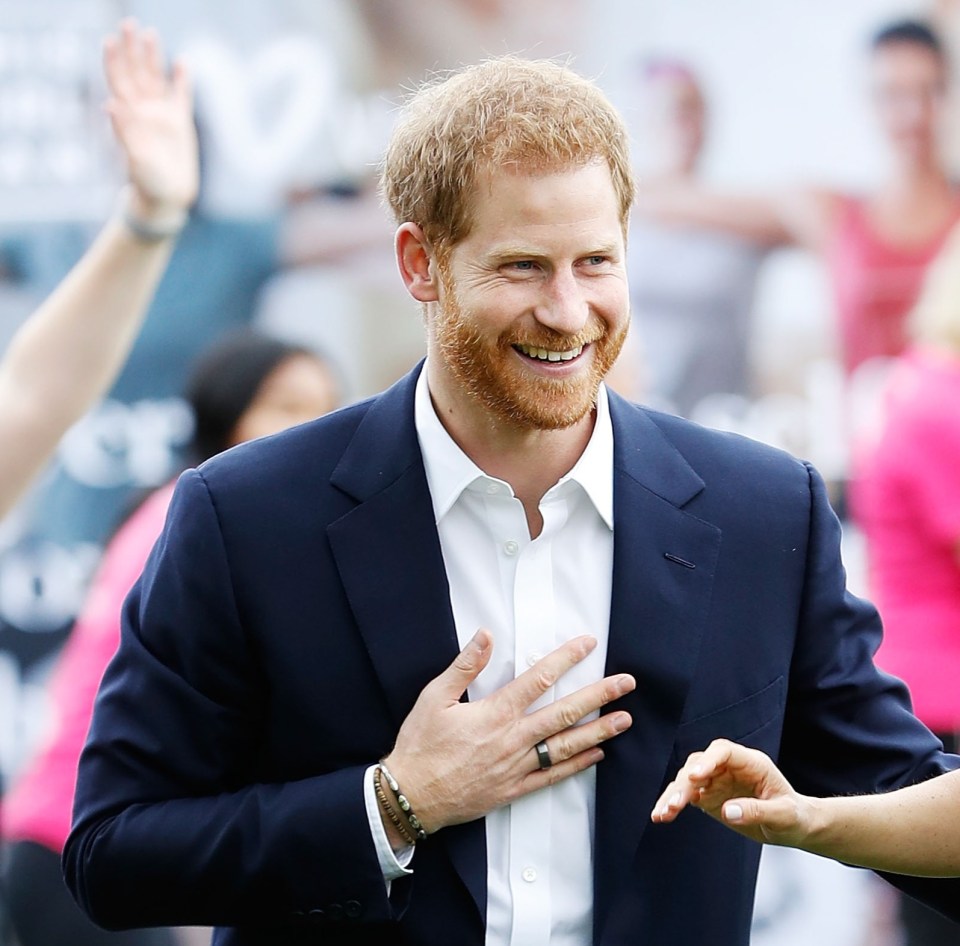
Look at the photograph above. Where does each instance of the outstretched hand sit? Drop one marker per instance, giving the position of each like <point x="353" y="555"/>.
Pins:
<point x="152" y="118"/>
<point x="742" y="789"/>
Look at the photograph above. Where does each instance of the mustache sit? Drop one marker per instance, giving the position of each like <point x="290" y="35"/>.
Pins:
<point x="553" y="340"/>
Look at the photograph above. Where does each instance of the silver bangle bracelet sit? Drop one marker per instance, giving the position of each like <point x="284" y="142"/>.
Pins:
<point x="151" y="231"/>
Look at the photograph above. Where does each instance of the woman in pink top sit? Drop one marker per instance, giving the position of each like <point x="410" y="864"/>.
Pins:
<point x="878" y="245"/>
<point x="905" y="493"/>
<point x="246" y="386"/>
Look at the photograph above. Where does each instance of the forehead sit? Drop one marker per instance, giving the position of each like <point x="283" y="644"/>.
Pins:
<point x="672" y="90"/>
<point x="906" y="61"/>
<point x="510" y="205"/>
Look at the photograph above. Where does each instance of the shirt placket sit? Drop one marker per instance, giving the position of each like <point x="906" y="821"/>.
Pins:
<point x="531" y="826"/>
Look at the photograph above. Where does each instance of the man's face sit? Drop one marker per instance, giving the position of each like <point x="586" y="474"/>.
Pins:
<point x="533" y="306"/>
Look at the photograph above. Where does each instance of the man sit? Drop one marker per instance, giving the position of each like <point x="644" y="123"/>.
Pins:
<point x="301" y="616"/>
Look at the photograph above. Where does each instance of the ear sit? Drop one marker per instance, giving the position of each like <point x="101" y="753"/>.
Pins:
<point x="415" y="263"/>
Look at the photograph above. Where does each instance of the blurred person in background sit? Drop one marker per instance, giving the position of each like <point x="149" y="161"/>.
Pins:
<point x="246" y="386"/>
<point x="905" y="494"/>
<point x="876" y="246"/>
<point x="66" y="355"/>
<point x="692" y="287"/>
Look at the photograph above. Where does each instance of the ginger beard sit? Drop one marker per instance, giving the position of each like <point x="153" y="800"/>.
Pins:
<point x="488" y="369"/>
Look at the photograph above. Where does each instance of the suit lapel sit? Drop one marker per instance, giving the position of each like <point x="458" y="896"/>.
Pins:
<point x="664" y="563"/>
<point x="388" y="555"/>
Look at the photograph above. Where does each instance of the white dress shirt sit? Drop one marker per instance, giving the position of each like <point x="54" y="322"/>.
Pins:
<point x="533" y="595"/>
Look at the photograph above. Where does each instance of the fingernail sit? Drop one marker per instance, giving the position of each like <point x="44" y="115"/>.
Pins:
<point x="697" y="770"/>
<point x="674" y="799"/>
<point x="621" y="722"/>
<point x="625" y="683"/>
<point x="733" y="813"/>
<point x="477" y="641"/>
<point x="664" y="811"/>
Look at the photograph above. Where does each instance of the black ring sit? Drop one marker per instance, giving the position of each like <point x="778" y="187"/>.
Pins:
<point x="543" y="755"/>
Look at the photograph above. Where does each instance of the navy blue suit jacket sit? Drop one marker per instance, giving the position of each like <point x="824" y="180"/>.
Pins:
<point x="297" y="603"/>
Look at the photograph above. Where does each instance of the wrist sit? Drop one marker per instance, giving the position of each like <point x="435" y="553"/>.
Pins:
<point x="815" y="819"/>
<point x="148" y="220"/>
<point x="397" y="802"/>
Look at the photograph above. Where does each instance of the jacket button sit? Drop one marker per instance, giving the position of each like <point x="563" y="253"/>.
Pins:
<point x="352" y="909"/>
<point x="316" y="914"/>
<point x="334" y="911"/>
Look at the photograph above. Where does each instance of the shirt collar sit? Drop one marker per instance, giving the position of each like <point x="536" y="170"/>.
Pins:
<point x="450" y="471"/>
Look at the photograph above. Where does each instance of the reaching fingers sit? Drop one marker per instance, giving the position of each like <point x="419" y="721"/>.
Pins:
<point x="682" y="790"/>
<point x="696" y="774"/>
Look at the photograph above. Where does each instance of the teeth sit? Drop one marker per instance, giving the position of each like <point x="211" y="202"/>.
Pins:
<point x="543" y="354"/>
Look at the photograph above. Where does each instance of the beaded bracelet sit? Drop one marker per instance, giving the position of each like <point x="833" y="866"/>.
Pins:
<point x="404" y="804"/>
<point x="404" y="831"/>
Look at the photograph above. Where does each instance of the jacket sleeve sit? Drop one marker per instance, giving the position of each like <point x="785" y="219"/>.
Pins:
<point x="849" y="727"/>
<point x="172" y="823"/>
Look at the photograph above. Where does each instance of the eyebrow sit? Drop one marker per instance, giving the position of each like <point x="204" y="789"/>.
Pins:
<point x="520" y="251"/>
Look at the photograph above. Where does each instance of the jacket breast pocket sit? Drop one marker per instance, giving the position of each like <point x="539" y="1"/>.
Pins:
<point x="754" y="721"/>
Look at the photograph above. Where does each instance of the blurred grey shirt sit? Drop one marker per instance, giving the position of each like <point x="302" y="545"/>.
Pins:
<point x="692" y="293"/>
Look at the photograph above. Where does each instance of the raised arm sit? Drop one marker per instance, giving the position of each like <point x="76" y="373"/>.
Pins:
<point x="915" y="830"/>
<point x="68" y="352"/>
<point x="798" y="217"/>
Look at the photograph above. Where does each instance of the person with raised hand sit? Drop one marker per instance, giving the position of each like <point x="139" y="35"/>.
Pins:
<point x="68" y="352"/>
<point x="910" y="831"/>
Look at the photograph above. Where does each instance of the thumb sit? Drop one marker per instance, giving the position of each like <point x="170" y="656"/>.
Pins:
<point x="775" y="815"/>
<point x="466" y="666"/>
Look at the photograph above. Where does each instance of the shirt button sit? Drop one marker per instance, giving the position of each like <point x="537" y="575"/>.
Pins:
<point x="529" y="874"/>
<point x="511" y="547"/>
<point x="493" y="488"/>
<point x="533" y="657"/>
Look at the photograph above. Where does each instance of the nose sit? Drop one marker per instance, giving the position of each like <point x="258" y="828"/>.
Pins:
<point x="564" y="307"/>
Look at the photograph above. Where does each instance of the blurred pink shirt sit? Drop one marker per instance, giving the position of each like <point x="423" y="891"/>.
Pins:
<point x="39" y="805"/>
<point x="876" y="283"/>
<point x="906" y="497"/>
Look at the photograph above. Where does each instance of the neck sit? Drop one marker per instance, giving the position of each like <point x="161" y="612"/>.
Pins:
<point x="531" y="461"/>
<point x="919" y="176"/>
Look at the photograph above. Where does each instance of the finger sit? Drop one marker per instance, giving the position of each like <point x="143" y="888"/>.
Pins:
<point x="567" y="712"/>
<point x="111" y="63"/>
<point x="518" y="694"/>
<point x="153" y="72"/>
<point x="571" y="742"/>
<point x="134" y="45"/>
<point x="541" y="778"/>
<point x="466" y="667"/>
<point x="680" y="792"/>
<point x="181" y="85"/>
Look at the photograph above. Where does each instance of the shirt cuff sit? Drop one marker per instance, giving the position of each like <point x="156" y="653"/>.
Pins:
<point x="392" y="865"/>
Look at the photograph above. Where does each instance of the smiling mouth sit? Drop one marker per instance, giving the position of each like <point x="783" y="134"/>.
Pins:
<point x="547" y="354"/>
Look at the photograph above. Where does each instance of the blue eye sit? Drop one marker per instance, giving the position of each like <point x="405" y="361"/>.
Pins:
<point x="596" y="260"/>
<point x="523" y="264"/>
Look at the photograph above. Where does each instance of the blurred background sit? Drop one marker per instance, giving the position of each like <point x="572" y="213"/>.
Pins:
<point x="295" y="99"/>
